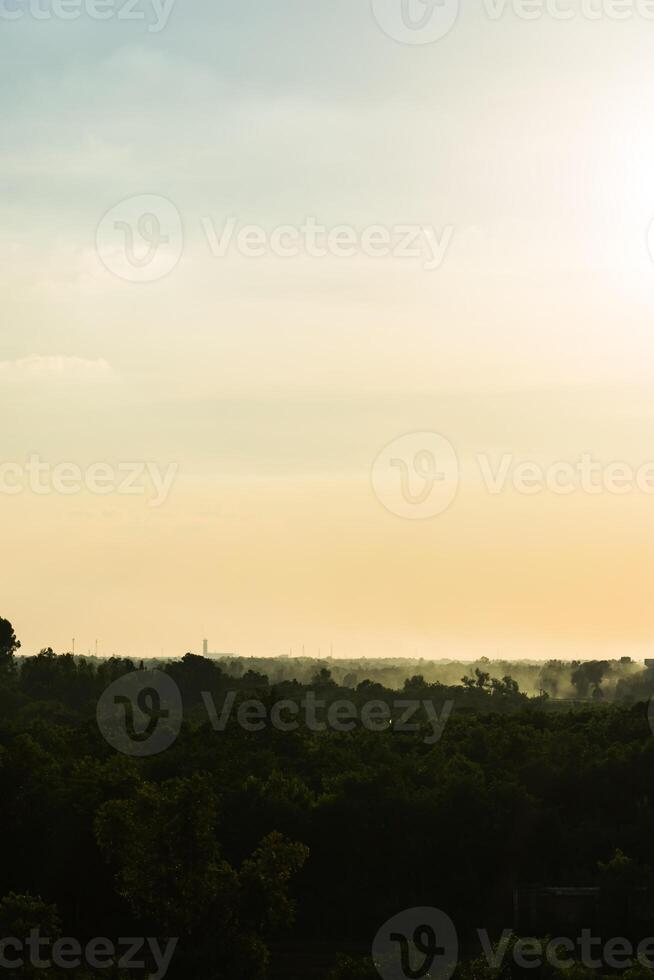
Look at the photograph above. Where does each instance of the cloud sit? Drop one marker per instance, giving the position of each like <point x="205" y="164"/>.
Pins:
<point x="57" y="368"/>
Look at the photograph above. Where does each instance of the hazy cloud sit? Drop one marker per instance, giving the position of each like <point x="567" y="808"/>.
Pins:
<point x="57" y="368"/>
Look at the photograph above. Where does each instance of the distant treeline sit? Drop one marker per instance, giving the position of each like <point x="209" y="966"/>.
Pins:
<point x="622" y="680"/>
<point x="565" y="680"/>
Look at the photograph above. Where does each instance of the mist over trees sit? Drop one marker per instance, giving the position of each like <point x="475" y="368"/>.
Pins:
<point x="621" y="679"/>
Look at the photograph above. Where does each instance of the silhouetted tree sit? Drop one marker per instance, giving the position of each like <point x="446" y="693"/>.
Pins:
<point x="8" y="645"/>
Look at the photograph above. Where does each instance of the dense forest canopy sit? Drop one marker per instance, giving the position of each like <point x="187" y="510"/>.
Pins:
<point x="261" y="849"/>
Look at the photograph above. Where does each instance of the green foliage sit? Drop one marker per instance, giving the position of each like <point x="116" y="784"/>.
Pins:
<point x="267" y="848"/>
<point x="265" y="877"/>
<point x="349" y="968"/>
<point x="9" y="644"/>
<point x="162" y="844"/>
<point x="19" y="914"/>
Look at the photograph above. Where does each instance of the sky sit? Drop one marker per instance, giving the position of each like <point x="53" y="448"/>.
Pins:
<point x="311" y="313"/>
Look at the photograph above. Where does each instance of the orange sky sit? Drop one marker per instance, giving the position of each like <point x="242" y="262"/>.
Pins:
<point x="269" y="387"/>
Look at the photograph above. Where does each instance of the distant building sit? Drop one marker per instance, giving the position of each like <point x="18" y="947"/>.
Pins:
<point x="213" y="655"/>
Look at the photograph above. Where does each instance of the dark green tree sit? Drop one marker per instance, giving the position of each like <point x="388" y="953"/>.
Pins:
<point x="8" y="645"/>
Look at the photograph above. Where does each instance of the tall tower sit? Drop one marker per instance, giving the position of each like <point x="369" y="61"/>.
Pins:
<point x="205" y="648"/>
